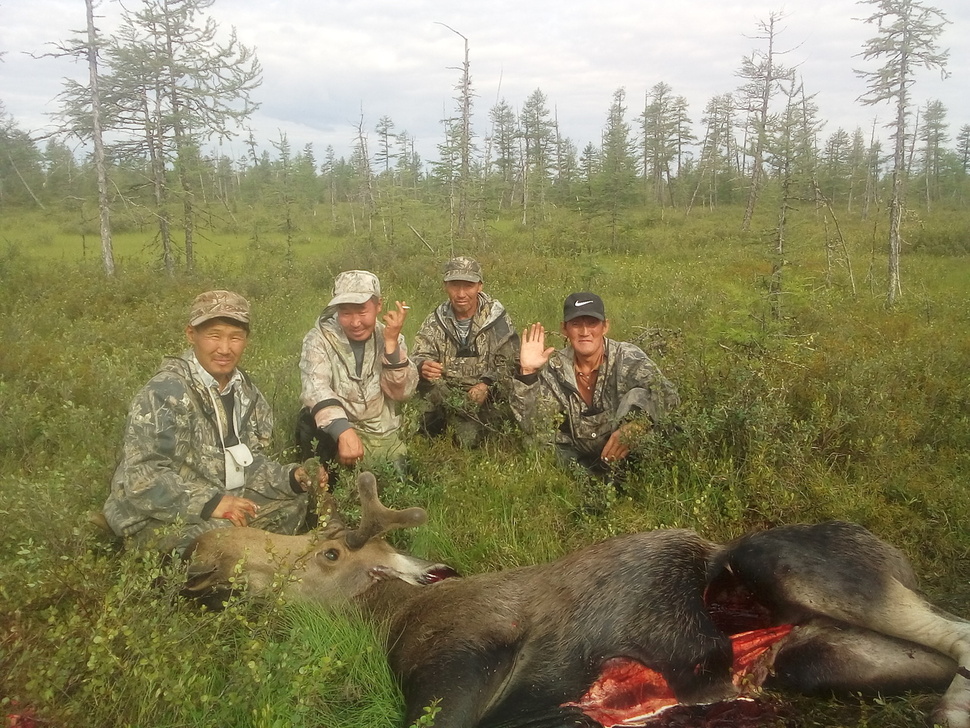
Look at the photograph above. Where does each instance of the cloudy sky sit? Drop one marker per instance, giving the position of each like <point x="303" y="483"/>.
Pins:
<point x="327" y="64"/>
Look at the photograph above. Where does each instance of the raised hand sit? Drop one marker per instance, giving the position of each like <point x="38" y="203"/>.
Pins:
<point x="533" y="353"/>
<point x="393" y="323"/>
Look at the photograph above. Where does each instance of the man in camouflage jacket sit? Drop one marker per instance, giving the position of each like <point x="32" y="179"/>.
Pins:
<point x="467" y="346"/>
<point x="192" y="458"/>
<point x="354" y="370"/>
<point x="591" y="396"/>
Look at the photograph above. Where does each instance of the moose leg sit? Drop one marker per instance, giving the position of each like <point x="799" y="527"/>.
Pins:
<point x="903" y="613"/>
<point x="899" y="612"/>
<point x="841" y="571"/>
<point x="461" y="684"/>
<point x="822" y="657"/>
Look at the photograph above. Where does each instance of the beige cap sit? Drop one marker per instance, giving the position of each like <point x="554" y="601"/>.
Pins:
<point x="355" y="286"/>
<point x="218" y="304"/>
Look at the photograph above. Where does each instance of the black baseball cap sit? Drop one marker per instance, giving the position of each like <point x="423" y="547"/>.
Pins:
<point x="583" y="304"/>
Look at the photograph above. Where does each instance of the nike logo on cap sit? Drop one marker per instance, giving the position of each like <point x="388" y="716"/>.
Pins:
<point x="582" y="303"/>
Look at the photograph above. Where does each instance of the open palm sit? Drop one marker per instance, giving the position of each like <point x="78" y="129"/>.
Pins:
<point x="533" y="353"/>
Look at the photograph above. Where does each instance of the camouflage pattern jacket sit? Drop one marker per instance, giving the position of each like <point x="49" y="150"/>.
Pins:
<point x="488" y="356"/>
<point x="628" y="382"/>
<point x="172" y="460"/>
<point x="333" y="390"/>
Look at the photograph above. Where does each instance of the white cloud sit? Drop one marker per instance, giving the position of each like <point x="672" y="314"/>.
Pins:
<point x="327" y="62"/>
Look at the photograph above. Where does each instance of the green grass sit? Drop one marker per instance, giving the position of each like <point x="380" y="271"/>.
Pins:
<point x="840" y="409"/>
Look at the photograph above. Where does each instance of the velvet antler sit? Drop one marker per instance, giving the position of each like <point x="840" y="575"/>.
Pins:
<point x="377" y="519"/>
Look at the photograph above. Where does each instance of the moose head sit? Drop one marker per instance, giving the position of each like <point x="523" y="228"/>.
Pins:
<point x="329" y="566"/>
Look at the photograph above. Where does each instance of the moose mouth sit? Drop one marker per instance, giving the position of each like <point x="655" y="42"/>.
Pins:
<point x="438" y="572"/>
<point x="431" y="574"/>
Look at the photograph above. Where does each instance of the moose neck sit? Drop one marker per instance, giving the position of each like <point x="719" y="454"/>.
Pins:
<point x="387" y="600"/>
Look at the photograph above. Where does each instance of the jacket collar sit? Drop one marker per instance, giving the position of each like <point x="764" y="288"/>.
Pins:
<point x="489" y="311"/>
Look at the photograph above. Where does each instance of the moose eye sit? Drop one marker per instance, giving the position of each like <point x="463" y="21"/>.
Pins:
<point x="331" y="554"/>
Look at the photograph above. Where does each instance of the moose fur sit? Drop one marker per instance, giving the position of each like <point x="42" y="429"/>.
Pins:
<point x="836" y="608"/>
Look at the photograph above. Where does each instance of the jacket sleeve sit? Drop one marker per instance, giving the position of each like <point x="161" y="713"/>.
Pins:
<point x="535" y="407"/>
<point x="525" y="393"/>
<point x="399" y="380"/>
<point x="425" y="344"/>
<point x="147" y="472"/>
<point x="649" y="391"/>
<point x="504" y="360"/>
<point x="317" y="391"/>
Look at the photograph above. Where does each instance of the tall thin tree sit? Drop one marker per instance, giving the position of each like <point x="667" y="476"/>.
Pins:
<point x="504" y="158"/>
<point x="963" y="148"/>
<point x="906" y="39"/>
<point x="618" y="175"/>
<point x="717" y="164"/>
<point x="536" y="137"/>
<point x="97" y="137"/>
<point x="934" y="137"/>
<point x="89" y="115"/>
<point x="764" y="77"/>
<point x="661" y="127"/>
<point x="462" y="137"/>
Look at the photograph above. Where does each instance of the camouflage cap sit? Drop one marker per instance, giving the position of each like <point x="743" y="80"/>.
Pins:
<point x="463" y="268"/>
<point x="355" y="286"/>
<point x="219" y="304"/>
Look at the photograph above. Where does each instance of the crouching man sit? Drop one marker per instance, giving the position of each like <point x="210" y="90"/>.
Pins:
<point x="192" y="457"/>
<point x="354" y="370"/>
<point x="466" y="347"/>
<point x="600" y="389"/>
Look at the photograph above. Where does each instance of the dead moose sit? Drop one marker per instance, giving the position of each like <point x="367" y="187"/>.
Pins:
<point x="624" y="630"/>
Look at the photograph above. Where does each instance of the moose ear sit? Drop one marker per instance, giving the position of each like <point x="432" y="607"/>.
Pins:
<point x="200" y="577"/>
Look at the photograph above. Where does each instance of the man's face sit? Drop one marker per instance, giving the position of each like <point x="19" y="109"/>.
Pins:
<point x="464" y="297"/>
<point x="218" y="345"/>
<point x="586" y="334"/>
<point x="358" y="319"/>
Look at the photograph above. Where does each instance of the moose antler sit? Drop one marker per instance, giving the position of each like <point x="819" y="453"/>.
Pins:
<point x="377" y="519"/>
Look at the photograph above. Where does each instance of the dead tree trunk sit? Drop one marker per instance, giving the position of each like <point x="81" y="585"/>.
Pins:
<point x="107" y="251"/>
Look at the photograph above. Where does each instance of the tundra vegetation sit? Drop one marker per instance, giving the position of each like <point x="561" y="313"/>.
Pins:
<point x="838" y="408"/>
